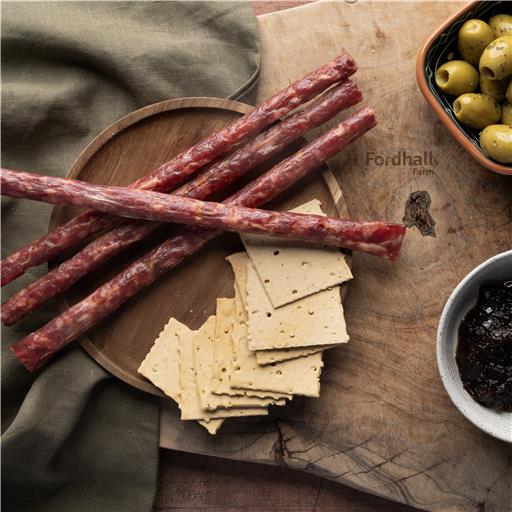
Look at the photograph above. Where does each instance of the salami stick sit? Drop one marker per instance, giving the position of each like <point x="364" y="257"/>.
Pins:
<point x="217" y="177"/>
<point x="369" y="237"/>
<point x="34" y="350"/>
<point x="171" y="174"/>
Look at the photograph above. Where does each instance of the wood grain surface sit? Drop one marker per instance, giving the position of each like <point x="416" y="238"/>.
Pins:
<point x="124" y="152"/>
<point x="191" y="483"/>
<point x="383" y="422"/>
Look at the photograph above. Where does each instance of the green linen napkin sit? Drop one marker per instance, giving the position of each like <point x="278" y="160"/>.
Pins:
<point x="75" y="438"/>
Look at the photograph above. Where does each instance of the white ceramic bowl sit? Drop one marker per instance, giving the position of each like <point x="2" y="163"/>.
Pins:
<point x="462" y="299"/>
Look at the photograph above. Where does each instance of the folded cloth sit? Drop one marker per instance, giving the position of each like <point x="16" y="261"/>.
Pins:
<point x="74" y="437"/>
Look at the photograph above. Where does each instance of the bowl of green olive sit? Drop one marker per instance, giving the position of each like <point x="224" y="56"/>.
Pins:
<point x="465" y="73"/>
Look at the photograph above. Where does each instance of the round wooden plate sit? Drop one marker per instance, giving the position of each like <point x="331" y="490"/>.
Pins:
<point x="127" y="150"/>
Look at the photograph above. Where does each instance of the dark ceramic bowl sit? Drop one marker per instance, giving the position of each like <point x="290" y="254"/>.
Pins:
<point x="440" y="47"/>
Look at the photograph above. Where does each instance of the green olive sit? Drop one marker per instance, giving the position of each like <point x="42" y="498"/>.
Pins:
<point x="457" y="77"/>
<point x="496" y="141"/>
<point x="494" y="88"/>
<point x="501" y="24"/>
<point x="506" y="113"/>
<point x="476" y="110"/>
<point x="473" y="38"/>
<point x="508" y="94"/>
<point x="496" y="60"/>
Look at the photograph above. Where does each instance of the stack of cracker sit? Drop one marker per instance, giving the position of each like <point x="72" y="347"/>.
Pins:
<point x="264" y="345"/>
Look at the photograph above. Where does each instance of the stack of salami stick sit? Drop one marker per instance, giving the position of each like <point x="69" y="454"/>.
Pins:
<point x="229" y="154"/>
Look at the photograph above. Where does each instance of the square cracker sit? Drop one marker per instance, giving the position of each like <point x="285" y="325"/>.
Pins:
<point x="289" y="270"/>
<point x="161" y="367"/>
<point x="223" y="358"/>
<point x="314" y="320"/>
<point x="298" y="376"/>
<point x="239" y="263"/>
<point x="277" y="355"/>
<point x="161" y="364"/>
<point x="189" y="381"/>
<point x="204" y="359"/>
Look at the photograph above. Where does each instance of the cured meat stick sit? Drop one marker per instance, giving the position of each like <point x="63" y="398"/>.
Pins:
<point x="369" y="237"/>
<point x="215" y="178"/>
<point x="35" y="349"/>
<point x="171" y="174"/>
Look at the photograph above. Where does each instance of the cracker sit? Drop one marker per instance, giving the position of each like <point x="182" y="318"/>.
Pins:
<point x="204" y="359"/>
<point x="298" y="376"/>
<point x="239" y="262"/>
<point x="314" y="320"/>
<point x="161" y="367"/>
<point x="223" y="357"/>
<point x="291" y="270"/>
<point x="285" y="354"/>
<point x="190" y="403"/>
<point x="223" y="350"/>
<point x="212" y="426"/>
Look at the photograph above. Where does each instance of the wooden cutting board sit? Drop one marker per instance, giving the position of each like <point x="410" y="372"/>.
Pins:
<point x="384" y="423"/>
<point x="130" y="149"/>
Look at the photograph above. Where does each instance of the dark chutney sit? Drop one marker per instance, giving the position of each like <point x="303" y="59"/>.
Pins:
<point x="484" y="351"/>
